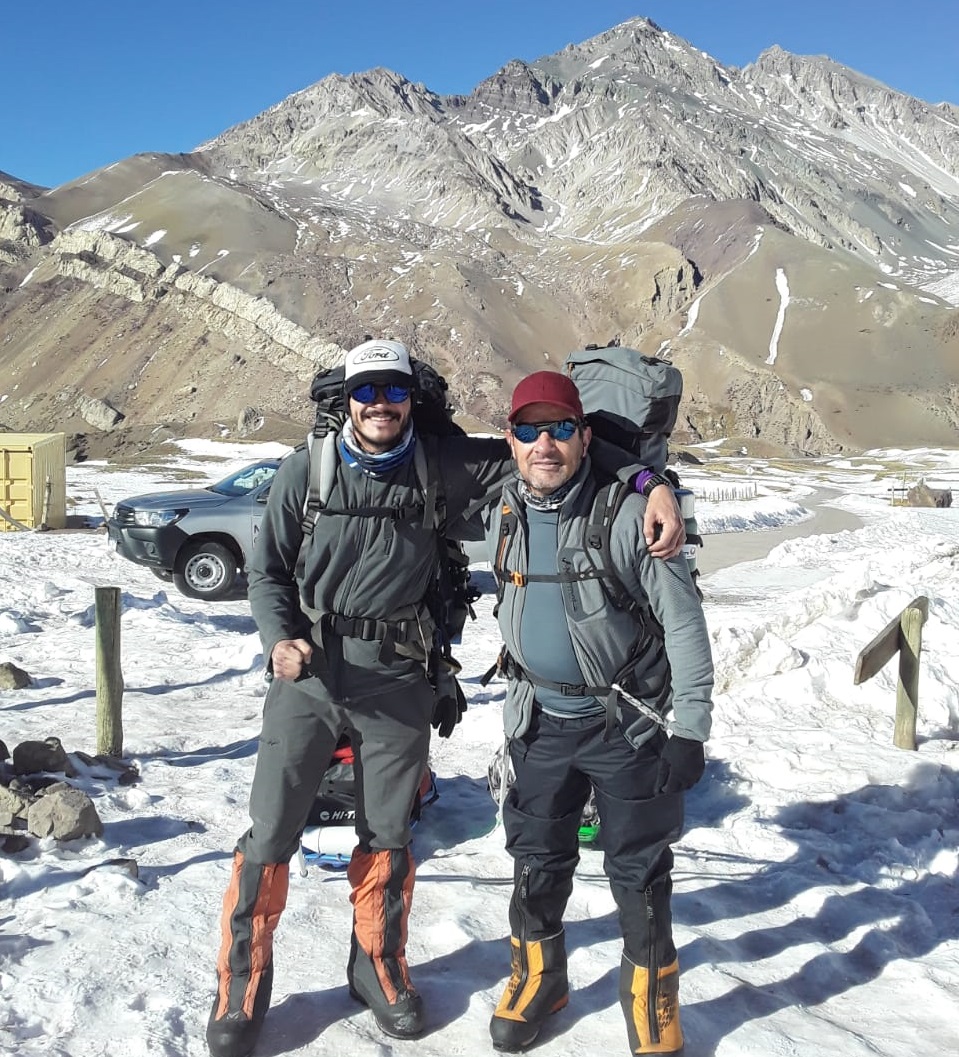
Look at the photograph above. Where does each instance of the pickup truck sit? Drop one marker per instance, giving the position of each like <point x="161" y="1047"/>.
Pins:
<point x="200" y="539"/>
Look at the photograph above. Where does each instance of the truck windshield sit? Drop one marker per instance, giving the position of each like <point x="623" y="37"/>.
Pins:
<point x="245" y="480"/>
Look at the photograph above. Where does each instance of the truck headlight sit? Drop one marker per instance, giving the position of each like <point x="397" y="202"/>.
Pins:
<point x="156" y="518"/>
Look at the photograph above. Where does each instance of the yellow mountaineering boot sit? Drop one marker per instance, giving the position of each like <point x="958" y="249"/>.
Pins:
<point x="650" y="1002"/>
<point x="537" y="987"/>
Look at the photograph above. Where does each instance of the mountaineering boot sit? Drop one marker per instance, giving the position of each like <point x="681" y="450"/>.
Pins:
<point x="254" y="900"/>
<point x="235" y="1034"/>
<point x="650" y="1001"/>
<point x="396" y="1006"/>
<point x="537" y="987"/>
<point x="382" y="883"/>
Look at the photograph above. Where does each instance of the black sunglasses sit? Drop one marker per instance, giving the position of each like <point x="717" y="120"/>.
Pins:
<point x="527" y="432"/>
<point x="366" y="394"/>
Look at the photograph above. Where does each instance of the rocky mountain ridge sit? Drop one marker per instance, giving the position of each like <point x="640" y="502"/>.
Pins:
<point x="786" y="233"/>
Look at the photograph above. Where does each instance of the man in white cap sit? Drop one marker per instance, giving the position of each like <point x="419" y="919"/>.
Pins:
<point x="345" y="628"/>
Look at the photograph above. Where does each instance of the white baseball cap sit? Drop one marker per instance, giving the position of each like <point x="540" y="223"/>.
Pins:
<point x="379" y="361"/>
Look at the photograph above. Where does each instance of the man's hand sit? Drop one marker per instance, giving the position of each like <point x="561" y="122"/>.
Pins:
<point x="448" y="711"/>
<point x="681" y="765"/>
<point x="663" y="525"/>
<point x="449" y="707"/>
<point x="289" y="656"/>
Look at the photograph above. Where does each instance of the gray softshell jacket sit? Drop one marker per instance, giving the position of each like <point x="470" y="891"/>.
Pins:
<point x="603" y="636"/>
<point x="356" y="566"/>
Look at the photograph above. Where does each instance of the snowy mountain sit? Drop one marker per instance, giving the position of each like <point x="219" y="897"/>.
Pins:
<point x="786" y="232"/>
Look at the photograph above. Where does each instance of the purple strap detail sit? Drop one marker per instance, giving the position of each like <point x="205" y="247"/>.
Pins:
<point x="641" y="479"/>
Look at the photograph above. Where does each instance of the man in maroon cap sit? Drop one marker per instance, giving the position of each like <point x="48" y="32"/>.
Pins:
<point x="610" y="683"/>
<point x="548" y="387"/>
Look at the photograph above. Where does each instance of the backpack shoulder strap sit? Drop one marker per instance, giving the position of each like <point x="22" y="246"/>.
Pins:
<point x="503" y="576"/>
<point x="606" y="505"/>
<point x="426" y="465"/>
<point x="322" y="472"/>
<point x="508" y="522"/>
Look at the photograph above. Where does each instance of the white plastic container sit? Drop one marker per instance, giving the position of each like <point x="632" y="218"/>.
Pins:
<point x="687" y="507"/>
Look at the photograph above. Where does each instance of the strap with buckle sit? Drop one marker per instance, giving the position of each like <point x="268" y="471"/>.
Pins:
<point x="566" y="689"/>
<point x="369" y="629"/>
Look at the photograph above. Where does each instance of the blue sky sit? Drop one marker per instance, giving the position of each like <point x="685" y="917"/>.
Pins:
<point x="86" y="84"/>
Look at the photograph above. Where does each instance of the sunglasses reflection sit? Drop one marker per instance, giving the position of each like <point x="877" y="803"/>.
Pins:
<point x="527" y="432"/>
<point x="393" y="394"/>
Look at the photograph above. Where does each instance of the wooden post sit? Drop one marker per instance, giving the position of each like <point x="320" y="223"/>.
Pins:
<point x="902" y="635"/>
<point x="907" y="689"/>
<point x="103" y="506"/>
<point x="109" y="673"/>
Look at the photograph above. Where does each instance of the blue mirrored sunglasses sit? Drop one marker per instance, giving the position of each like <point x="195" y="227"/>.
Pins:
<point x="366" y="394"/>
<point x="527" y="432"/>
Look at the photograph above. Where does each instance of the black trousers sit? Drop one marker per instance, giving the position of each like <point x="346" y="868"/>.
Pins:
<point x="556" y="762"/>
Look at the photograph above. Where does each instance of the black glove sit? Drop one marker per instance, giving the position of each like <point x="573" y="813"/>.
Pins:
<point x="681" y="765"/>
<point x="448" y="710"/>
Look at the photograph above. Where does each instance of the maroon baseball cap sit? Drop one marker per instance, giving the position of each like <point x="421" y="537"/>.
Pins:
<point x="547" y="387"/>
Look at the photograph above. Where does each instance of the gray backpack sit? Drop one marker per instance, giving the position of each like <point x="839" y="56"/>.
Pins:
<point x="631" y="400"/>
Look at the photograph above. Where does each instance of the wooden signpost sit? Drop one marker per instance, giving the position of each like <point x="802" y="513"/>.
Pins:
<point x="903" y="635"/>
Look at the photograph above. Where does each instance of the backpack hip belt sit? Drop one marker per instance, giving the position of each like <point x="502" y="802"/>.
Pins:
<point x="611" y="696"/>
<point x="566" y="689"/>
<point x="369" y="629"/>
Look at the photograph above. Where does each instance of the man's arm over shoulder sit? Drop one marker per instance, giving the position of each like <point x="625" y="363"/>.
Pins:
<point x="474" y="470"/>
<point x="273" y="590"/>
<point x="663" y="524"/>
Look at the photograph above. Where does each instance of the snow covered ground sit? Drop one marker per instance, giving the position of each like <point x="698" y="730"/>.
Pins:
<point x="816" y="907"/>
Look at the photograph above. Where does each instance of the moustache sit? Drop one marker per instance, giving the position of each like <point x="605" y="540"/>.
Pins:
<point x="380" y="413"/>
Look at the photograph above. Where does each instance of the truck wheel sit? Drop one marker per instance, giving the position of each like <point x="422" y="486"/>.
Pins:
<point x="205" y="570"/>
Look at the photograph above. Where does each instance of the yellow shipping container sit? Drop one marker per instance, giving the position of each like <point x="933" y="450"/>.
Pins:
<point x="33" y="480"/>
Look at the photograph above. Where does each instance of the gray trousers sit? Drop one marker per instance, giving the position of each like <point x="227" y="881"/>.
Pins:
<point x="390" y="734"/>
